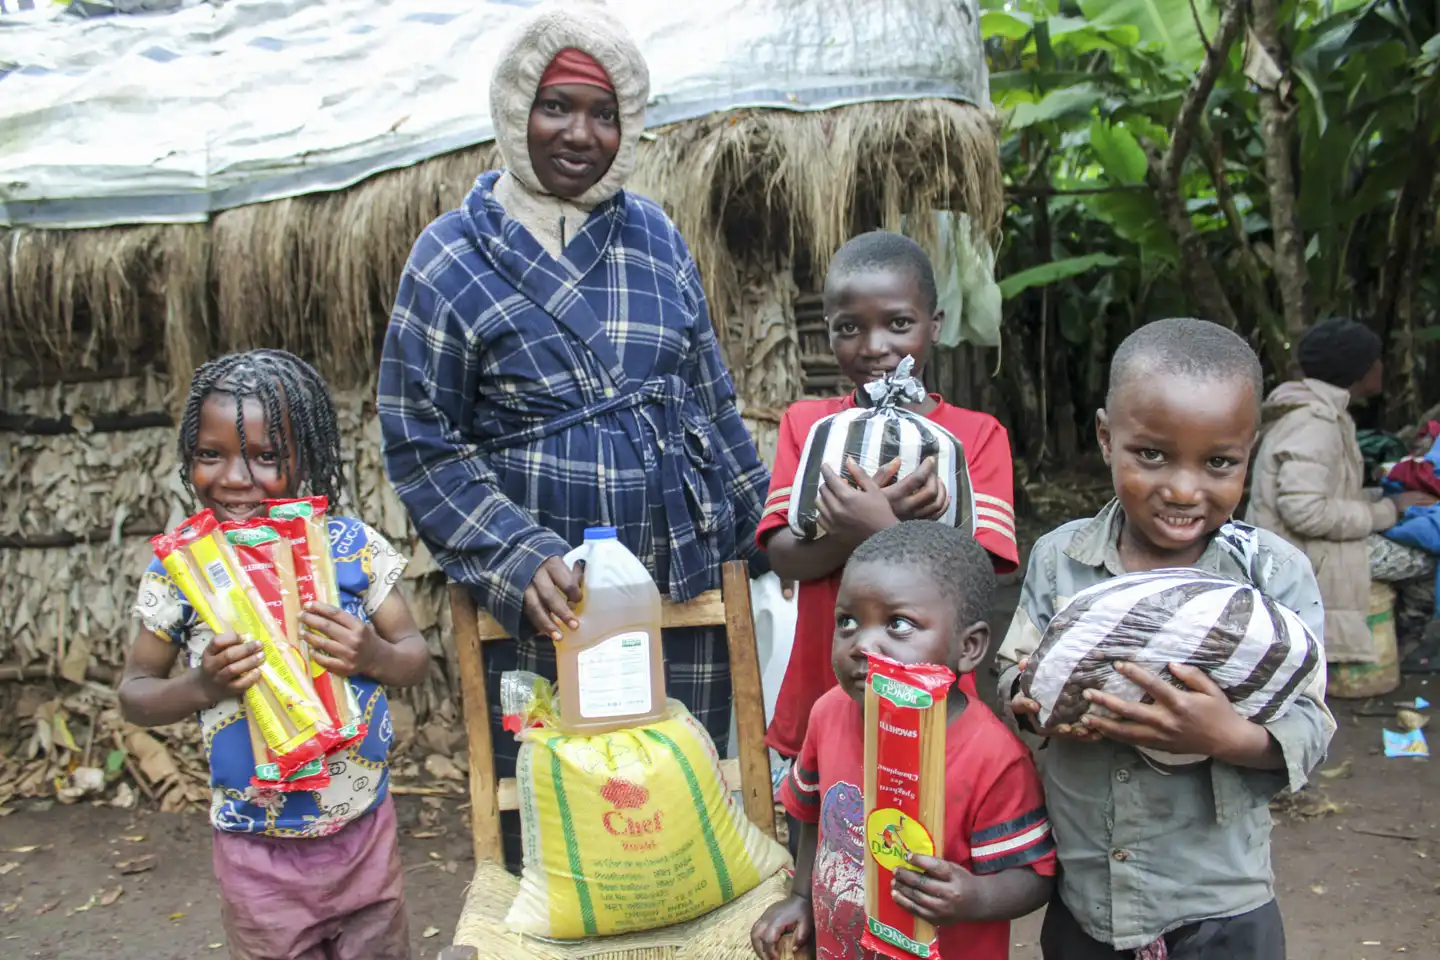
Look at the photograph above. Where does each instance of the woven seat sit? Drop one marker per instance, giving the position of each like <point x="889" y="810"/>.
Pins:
<point x="720" y="935"/>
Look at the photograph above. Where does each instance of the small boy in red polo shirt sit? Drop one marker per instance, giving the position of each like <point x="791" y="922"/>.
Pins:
<point x="880" y="307"/>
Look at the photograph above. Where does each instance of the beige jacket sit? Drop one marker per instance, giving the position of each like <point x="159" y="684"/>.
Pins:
<point x="1307" y="485"/>
<point x="585" y="25"/>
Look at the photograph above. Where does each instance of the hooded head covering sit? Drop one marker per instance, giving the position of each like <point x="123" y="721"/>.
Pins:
<point x="588" y="27"/>
<point x="1338" y="352"/>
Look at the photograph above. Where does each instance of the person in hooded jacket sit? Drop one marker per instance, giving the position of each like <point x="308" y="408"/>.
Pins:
<point x="550" y="366"/>
<point x="1307" y="483"/>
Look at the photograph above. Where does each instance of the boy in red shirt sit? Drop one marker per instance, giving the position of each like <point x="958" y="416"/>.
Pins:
<point x="880" y="306"/>
<point x="916" y="593"/>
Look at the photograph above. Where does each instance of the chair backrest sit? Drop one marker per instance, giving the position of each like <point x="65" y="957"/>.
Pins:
<point x="728" y="607"/>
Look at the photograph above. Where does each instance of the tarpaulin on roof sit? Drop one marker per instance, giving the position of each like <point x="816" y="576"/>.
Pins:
<point x="168" y="117"/>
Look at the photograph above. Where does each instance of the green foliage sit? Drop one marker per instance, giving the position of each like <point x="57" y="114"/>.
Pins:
<point x="1090" y="89"/>
<point x="1053" y="271"/>
<point x="1169" y="25"/>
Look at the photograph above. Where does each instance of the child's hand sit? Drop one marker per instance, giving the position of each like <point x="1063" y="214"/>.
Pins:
<point x="939" y="892"/>
<point x="1199" y="720"/>
<point x="340" y="642"/>
<point x="1026" y="713"/>
<point x="853" y="513"/>
<point x="229" y="666"/>
<point x="920" y="496"/>
<point x="793" y="915"/>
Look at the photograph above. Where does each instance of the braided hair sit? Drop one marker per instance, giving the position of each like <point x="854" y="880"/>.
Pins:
<point x="286" y="388"/>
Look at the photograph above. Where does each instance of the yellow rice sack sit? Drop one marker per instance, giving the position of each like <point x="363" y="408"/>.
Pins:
<point x="630" y="830"/>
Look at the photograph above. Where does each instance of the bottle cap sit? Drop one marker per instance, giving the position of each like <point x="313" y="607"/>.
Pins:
<point x="599" y="533"/>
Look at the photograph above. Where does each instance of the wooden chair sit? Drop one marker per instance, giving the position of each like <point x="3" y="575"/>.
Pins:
<point x="749" y="775"/>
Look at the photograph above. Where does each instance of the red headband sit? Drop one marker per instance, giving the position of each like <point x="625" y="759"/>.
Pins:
<point x="575" y="66"/>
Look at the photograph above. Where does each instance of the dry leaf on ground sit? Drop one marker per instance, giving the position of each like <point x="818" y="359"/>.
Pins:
<point x="1340" y="772"/>
<point x="137" y="865"/>
<point x="442" y="768"/>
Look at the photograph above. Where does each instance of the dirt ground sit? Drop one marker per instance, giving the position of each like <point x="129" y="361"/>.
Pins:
<point x="1358" y="881"/>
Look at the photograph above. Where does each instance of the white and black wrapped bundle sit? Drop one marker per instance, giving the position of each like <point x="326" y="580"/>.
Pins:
<point x="1259" y="652"/>
<point x="874" y="436"/>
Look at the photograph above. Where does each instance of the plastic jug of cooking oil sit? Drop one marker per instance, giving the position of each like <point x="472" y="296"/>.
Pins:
<point x="611" y="671"/>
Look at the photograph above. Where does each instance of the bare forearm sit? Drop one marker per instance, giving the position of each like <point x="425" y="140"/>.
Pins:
<point x="154" y="701"/>
<point x="402" y="663"/>
<point x="1008" y="895"/>
<point x="805" y="859"/>
<point x="794" y="559"/>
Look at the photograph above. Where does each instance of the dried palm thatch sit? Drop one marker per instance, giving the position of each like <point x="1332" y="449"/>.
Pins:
<point x="318" y="273"/>
<point x="753" y="191"/>
<point x="767" y="186"/>
<point x="88" y="298"/>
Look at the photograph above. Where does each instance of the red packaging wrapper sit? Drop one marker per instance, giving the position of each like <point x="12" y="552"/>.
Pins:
<point x="264" y="549"/>
<point x="203" y="564"/>
<point x="314" y="564"/>
<point x="904" y="795"/>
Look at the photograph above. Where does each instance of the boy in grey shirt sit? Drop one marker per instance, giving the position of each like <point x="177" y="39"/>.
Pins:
<point x="1156" y="864"/>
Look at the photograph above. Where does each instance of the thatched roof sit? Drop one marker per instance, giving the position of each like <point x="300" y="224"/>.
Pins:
<point x="750" y="189"/>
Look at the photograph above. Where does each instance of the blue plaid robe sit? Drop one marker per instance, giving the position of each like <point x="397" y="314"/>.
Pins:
<point x="524" y="398"/>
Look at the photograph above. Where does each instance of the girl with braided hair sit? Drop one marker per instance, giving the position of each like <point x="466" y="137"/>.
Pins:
<point x="305" y="875"/>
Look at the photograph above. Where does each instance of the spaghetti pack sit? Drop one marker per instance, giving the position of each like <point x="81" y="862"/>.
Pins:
<point x="254" y="578"/>
<point x="904" y="795"/>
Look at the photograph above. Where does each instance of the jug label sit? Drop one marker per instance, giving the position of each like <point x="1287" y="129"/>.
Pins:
<point x="614" y="677"/>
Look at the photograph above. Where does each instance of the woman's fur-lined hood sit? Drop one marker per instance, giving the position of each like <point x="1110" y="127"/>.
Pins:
<point x="588" y="26"/>
<point x="1322" y="399"/>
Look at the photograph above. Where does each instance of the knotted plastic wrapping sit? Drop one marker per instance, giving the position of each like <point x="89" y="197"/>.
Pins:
<point x="873" y="436"/>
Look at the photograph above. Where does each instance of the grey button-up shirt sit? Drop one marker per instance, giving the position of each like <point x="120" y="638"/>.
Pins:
<point x="1143" y="852"/>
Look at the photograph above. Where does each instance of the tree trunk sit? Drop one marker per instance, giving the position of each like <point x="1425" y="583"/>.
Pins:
<point x="1269" y="66"/>
<point x="1271" y="329"/>
<point x="1402" y="393"/>
<point x="1029" y="420"/>
<point x="1202" y="283"/>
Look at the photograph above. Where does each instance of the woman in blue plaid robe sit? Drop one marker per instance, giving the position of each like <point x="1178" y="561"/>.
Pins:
<point x="550" y="366"/>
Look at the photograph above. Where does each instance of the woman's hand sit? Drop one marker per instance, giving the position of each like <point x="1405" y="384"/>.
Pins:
<point x="920" y="496"/>
<point x="341" y="642"/>
<point x="551" y="597"/>
<point x="229" y="666"/>
<point x="854" y="513"/>
<point x="794" y="915"/>
<point x="1198" y="720"/>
